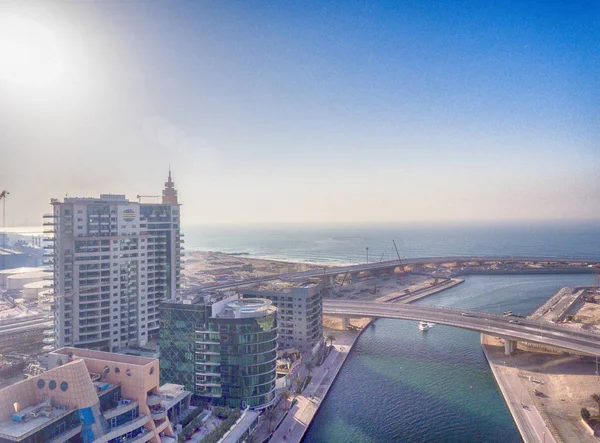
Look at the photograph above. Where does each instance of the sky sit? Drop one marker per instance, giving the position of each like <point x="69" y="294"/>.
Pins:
<point x="305" y="112"/>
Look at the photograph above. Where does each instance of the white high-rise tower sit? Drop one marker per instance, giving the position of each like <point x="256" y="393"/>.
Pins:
<point x="114" y="260"/>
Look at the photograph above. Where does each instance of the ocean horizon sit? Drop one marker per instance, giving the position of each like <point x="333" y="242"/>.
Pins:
<point x="347" y="244"/>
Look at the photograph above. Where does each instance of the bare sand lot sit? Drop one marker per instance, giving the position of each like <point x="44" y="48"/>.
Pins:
<point x="203" y="267"/>
<point x="565" y="384"/>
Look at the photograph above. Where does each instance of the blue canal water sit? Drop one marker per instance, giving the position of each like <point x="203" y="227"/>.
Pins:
<point x="400" y="384"/>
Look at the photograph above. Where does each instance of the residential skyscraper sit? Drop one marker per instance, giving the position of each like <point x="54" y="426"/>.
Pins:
<point x="113" y="261"/>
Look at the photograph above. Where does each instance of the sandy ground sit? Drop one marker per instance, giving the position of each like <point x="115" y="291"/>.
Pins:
<point x="588" y="314"/>
<point x="205" y="267"/>
<point x="567" y="383"/>
<point x="8" y="311"/>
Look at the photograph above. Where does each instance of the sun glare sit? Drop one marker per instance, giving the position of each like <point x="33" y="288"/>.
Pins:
<point x="29" y="52"/>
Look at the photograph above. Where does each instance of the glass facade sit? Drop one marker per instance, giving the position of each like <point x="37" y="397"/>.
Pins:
<point x="178" y="326"/>
<point x="229" y="359"/>
<point x="248" y="359"/>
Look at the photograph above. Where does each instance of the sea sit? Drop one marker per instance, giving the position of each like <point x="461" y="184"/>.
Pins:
<point x="400" y="384"/>
<point x="347" y="244"/>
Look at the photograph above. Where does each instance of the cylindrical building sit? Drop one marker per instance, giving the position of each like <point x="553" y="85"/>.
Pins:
<point x="248" y="338"/>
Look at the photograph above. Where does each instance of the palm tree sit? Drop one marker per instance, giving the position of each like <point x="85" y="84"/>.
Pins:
<point x="297" y="382"/>
<point x="596" y="398"/>
<point x="330" y="338"/>
<point x="270" y="416"/>
<point x="288" y="395"/>
<point x="309" y="366"/>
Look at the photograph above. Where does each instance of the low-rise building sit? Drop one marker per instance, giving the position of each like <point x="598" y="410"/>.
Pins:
<point x="300" y="310"/>
<point x="91" y="396"/>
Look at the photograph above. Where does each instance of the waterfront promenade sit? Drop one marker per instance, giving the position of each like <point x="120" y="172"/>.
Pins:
<point x="518" y="398"/>
<point x="296" y="423"/>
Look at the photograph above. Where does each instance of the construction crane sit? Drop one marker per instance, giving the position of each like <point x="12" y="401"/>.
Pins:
<point x="343" y="280"/>
<point x="3" y="195"/>
<point x="398" y="254"/>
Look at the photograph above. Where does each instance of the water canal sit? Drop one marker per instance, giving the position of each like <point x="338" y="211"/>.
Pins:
<point x="402" y="384"/>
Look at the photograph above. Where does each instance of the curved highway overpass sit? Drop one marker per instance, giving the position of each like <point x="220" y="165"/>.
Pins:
<point x="437" y="260"/>
<point x="391" y="264"/>
<point x="510" y="329"/>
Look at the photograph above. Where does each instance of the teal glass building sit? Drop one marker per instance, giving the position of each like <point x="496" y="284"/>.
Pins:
<point x="224" y="351"/>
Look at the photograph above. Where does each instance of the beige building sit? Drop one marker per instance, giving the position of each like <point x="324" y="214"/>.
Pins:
<point x="91" y="396"/>
<point x="113" y="261"/>
<point x="299" y="311"/>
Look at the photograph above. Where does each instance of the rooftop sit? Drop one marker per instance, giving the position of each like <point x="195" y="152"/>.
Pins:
<point x="247" y="308"/>
<point x="244" y="423"/>
<point x="105" y="356"/>
<point x="30" y="420"/>
<point x="172" y="394"/>
<point x="104" y="198"/>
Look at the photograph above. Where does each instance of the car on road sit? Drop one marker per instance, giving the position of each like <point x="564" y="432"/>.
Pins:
<point x="466" y="314"/>
<point x="515" y="322"/>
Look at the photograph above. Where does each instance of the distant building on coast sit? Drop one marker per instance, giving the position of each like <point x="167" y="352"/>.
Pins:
<point x="113" y="262"/>
<point x="92" y="396"/>
<point x="225" y="351"/>
<point x="300" y="311"/>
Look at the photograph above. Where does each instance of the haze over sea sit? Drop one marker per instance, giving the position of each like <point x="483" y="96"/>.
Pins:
<point x="400" y="384"/>
<point x="337" y="244"/>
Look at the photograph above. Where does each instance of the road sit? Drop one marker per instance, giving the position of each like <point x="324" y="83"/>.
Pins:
<point x="338" y="270"/>
<point x="531" y="331"/>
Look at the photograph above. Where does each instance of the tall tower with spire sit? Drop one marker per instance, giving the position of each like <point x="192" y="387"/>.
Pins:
<point x="169" y="194"/>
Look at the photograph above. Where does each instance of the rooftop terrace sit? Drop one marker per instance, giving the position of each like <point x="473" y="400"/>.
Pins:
<point x="29" y="420"/>
<point x="105" y="356"/>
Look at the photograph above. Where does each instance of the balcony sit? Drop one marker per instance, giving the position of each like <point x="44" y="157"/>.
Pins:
<point x="158" y="412"/>
<point x="153" y="400"/>
<point x="142" y="437"/>
<point x="67" y="435"/>
<point x="123" y="406"/>
<point x="124" y="429"/>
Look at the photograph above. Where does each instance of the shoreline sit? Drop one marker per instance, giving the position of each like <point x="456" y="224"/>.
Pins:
<point x="342" y="263"/>
<point x="307" y="409"/>
<point x="515" y="407"/>
<point x="337" y="370"/>
<point x="566" y="382"/>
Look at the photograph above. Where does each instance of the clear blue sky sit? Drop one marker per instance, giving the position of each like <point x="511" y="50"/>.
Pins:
<point x="318" y="111"/>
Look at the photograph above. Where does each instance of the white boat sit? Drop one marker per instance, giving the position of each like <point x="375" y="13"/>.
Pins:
<point x="424" y="326"/>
